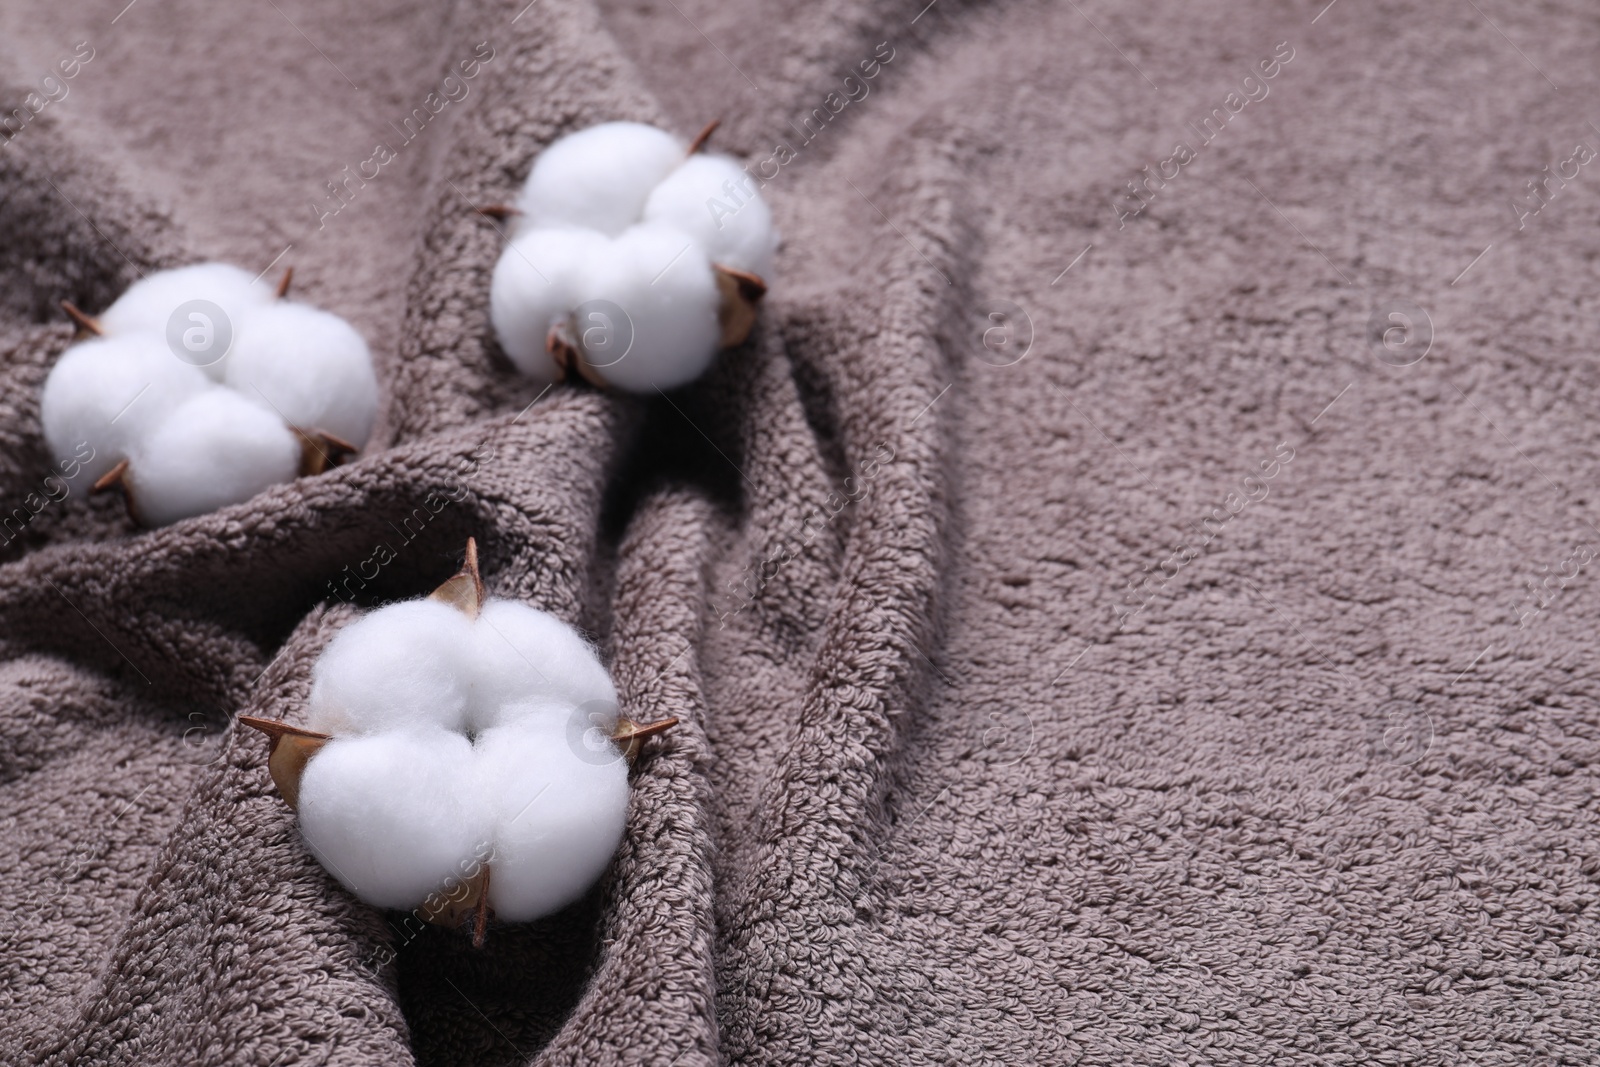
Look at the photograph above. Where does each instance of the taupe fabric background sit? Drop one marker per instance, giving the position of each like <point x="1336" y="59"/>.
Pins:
<point x="1062" y="742"/>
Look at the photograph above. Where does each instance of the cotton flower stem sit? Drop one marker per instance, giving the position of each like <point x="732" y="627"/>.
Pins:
<point x="498" y="211"/>
<point x="292" y="747"/>
<point x="703" y="136"/>
<point x="87" y="323"/>
<point x="285" y="281"/>
<point x="464" y="589"/>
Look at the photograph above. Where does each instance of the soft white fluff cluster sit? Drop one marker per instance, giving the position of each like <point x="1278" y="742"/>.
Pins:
<point x="617" y="217"/>
<point x="199" y="437"/>
<point x="452" y="733"/>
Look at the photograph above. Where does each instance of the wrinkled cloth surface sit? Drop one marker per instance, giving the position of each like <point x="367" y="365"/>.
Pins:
<point x="1131" y="601"/>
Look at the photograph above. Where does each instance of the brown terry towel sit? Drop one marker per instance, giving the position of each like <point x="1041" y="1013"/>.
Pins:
<point x="1131" y="602"/>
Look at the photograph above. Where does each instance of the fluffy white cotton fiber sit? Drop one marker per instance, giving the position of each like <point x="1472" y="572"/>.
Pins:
<point x="715" y="202"/>
<point x="459" y="737"/>
<point x="407" y="664"/>
<point x="533" y="287"/>
<point x="215" y="448"/>
<point x="309" y="366"/>
<point x="598" y="178"/>
<point x="522" y="654"/>
<point x="395" y="815"/>
<point x="558" y="816"/>
<point x="147" y="305"/>
<point x="198" y="438"/>
<point x="657" y="223"/>
<point x="664" y="285"/>
<point x="112" y="392"/>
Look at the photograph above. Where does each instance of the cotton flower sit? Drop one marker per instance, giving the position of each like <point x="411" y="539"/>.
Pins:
<point x="203" y="387"/>
<point x="632" y="261"/>
<point x="460" y="748"/>
<point x="449" y="732"/>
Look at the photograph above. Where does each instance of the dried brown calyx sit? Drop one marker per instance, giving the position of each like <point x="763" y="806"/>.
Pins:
<point x="117" y="478"/>
<point x="703" y="136"/>
<point x="88" y="325"/>
<point x="292" y="747"/>
<point x="321" y="450"/>
<point x="741" y="299"/>
<point x="568" y="355"/>
<point x="469" y="898"/>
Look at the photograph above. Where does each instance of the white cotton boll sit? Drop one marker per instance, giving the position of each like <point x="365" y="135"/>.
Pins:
<point x="663" y="283"/>
<point x="521" y="774"/>
<point x="215" y="449"/>
<point x="524" y="656"/>
<point x="714" y="201"/>
<point x="395" y="816"/>
<point x="559" y="814"/>
<point x="148" y="303"/>
<point x="111" y="392"/>
<point x="533" y="285"/>
<point x="406" y="664"/>
<point x="307" y="365"/>
<point x="598" y="178"/>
